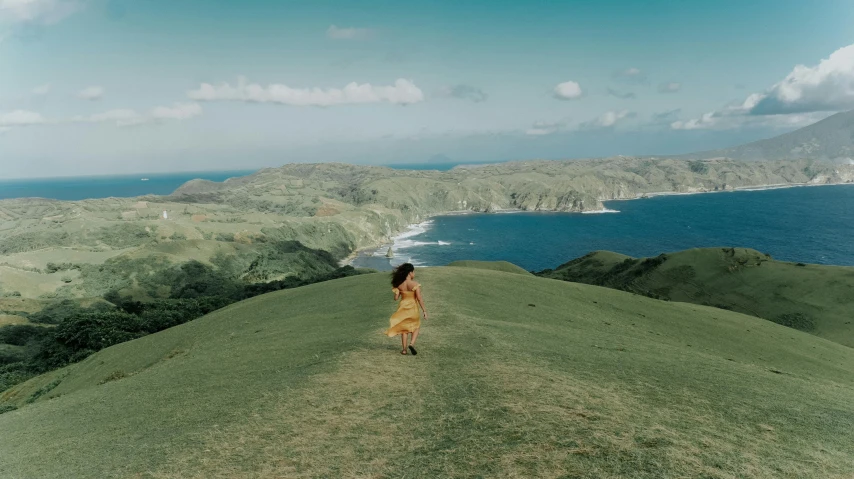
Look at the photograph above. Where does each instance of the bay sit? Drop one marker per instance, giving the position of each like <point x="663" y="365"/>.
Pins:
<point x="807" y="224"/>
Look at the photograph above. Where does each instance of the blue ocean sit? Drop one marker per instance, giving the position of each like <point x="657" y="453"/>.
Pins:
<point x="125" y="186"/>
<point x="807" y="224"/>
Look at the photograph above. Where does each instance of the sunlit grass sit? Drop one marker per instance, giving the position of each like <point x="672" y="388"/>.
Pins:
<point x="516" y="376"/>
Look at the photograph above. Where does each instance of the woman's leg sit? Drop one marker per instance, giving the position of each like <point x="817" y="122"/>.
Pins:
<point x="414" y="337"/>
<point x="403" y="338"/>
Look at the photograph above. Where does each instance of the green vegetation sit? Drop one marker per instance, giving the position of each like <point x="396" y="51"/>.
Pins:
<point x="33" y="241"/>
<point x="151" y="276"/>
<point x="521" y="376"/>
<point x="10" y="353"/>
<point x="55" y="249"/>
<point x="173" y="296"/>
<point x="812" y="298"/>
<point x="503" y="266"/>
<point x="517" y="376"/>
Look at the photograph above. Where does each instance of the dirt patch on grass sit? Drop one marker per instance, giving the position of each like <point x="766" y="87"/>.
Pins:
<point x="326" y="210"/>
<point x="7" y="319"/>
<point x="24" y="305"/>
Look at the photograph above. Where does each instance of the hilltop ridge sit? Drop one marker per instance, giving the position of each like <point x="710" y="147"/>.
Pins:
<point x="517" y="376"/>
<point x="813" y="298"/>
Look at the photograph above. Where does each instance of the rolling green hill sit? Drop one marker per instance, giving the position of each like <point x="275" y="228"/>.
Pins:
<point x="814" y="298"/>
<point x="517" y="376"/>
<point x="503" y="266"/>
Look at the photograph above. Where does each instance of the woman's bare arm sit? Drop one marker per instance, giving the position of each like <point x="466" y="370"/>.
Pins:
<point x="420" y="299"/>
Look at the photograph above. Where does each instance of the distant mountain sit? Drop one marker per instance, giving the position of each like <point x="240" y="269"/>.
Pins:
<point x="828" y="139"/>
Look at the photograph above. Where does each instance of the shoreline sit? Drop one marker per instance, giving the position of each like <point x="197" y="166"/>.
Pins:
<point x="777" y="186"/>
<point x="409" y="231"/>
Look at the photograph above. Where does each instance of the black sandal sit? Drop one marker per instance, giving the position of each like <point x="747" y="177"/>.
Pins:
<point x="412" y="350"/>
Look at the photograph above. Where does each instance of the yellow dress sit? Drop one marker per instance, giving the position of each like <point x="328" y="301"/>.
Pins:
<point x="407" y="318"/>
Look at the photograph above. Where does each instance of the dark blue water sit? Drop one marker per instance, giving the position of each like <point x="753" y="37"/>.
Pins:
<point x="125" y="186"/>
<point x="810" y="224"/>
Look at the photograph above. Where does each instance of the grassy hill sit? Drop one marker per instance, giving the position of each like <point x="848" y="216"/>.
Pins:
<point x="503" y="266"/>
<point x="813" y="298"/>
<point x="517" y="376"/>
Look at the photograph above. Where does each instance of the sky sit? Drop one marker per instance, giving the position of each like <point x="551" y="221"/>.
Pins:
<point x="143" y="86"/>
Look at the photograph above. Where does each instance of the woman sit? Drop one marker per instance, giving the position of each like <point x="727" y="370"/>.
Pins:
<point x="406" y="321"/>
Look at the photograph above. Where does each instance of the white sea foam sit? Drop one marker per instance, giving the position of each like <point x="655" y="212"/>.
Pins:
<point x="414" y="230"/>
<point x="604" y="210"/>
<point x="409" y="244"/>
<point x="403" y="241"/>
<point x="443" y="243"/>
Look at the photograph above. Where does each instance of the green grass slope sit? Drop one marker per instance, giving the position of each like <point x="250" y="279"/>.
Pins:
<point x="814" y="298"/>
<point x="517" y="376"/>
<point x="503" y="266"/>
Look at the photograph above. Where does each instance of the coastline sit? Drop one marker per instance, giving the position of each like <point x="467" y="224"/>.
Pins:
<point x="412" y="229"/>
<point x="777" y="186"/>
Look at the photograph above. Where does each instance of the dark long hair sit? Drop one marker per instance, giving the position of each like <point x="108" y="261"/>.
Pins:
<point x="398" y="276"/>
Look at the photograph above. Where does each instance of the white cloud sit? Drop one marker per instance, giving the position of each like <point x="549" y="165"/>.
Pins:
<point x="349" y="33"/>
<point x="41" y="90"/>
<point x="720" y="119"/>
<point x="631" y="75"/>
<point x="178" y="111"/>
<point x="403" y="92"/>
<point x="91" y="93"/>
<point x="669" y="87"/>
<point x="608" y="119"/>
<point x="127" y="117"/>
<point x="706" y="121"/>
<point x="21" y="118"/>
<point x="828" y="86"/>
<point x="4" y="129"/>
<point x="541" y="128"/>
<point x="806" y="95"/>
<point x="43" y="12"/>
<point x="121" y="117"/>
<point x="717" y="121"/>
<point x="568" y="90"/>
